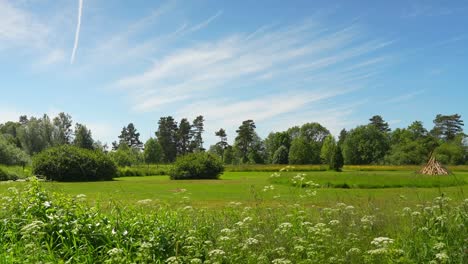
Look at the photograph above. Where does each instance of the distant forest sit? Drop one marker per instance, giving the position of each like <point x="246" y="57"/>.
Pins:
<point x="311" y="143"/>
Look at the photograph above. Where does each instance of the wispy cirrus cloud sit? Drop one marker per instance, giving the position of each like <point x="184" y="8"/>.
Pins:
<point x="266" y="60"/>
<point x="18" y="27"/>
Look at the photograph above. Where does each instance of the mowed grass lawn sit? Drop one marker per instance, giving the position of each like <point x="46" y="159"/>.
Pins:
<point x="386" y="189"/>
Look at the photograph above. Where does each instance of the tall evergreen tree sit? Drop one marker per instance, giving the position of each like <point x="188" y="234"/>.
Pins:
<point x="245" y="138"/>
<point x="447" y="127"/>
<point x="196" y="134"/>
<point x="183" y="137"/>
<point x="167" y="137"/>
<point x="130" y="137"/>
<point x="379" y="123"/>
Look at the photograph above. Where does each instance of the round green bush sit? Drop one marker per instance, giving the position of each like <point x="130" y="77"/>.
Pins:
<point x="69" y="163"/>
<point x="197" y="166"/>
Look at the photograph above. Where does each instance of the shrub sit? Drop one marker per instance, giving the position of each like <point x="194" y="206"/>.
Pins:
<point x="197" y="166"/>
<point x="7" y="175"/>
<point x="69" y="163"/>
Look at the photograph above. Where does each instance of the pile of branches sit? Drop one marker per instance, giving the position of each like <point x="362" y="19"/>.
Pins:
<point x="433" y="167"/>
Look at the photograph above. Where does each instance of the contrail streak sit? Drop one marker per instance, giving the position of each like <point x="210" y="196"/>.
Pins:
<point x="77" y="33"/>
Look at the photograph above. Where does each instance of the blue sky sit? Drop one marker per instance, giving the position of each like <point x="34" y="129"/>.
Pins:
<point x="280" y="63"/>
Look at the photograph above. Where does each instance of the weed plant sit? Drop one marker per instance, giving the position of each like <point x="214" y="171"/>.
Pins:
<point x="43" y="227"/>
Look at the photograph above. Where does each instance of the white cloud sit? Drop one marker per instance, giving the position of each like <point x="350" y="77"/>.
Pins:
<point x="18" y="27"/>
<point x="268" y="54"/>
<point x="404" y="97"/>
<point x="206" y="22"/>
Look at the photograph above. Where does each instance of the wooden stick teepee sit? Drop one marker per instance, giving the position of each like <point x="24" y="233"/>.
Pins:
<point x="433" y="167"/>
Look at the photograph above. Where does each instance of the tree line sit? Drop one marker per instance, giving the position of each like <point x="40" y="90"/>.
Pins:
<point x="310" y="143"/>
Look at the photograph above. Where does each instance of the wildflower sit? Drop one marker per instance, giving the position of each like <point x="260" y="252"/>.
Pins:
<point x="299" y="248"/>
<point x="115" y="251"/>
<point x="353" y="251"/>
<point x="442" y="257"/>
<point x="216" y="253"/>
<point x="81" y="196"/>
<point x="251" y="241"/>
<point x="145" y="201"/>
<point x="146" y="245"/>
<point x="196" y="261"/>
<point x="268" y="188"/>
<point x="125" y="233"/>
<point x="47" y="204"/>
<point x="439" y="246"/>
<point x="281" y="261"/>
<point x="113" y="231"/>
<point x="406" y="210"/>
<point x="224" y="238"/>
<point x="172" y="260"/>
<point x="334" y="222"/>
<point x="226" y="231"/>
<point x="188" y="208"/>
<point x="382" y="242"/>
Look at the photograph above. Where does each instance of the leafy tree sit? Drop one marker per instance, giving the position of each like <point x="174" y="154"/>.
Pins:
<point x="256" y="153"/>
<point x="217" y="150"/>
<point x="196" y="134"/>
<point x="244" y="139"/>
<point x="314" y="132"/>
<point x="10" y="131"/>
<point x="328" y="149"/>
<point x="342" y="137"/>
<point x="183" y="137"/>
<point x="32" y="136"/>
<point x="274" y="141"/>
<point x="83" y="137"/>
<point x="221" y="133"/>
<point x="10" y="154"/>
<point x="412" y="145"/>
<point x="281" y="156"/>
<point x="336" y="160"/>
<point x="447" y="127"/>
<point x="125" y="156"/>
<point x="294" y="132"/>
<point x="130" y="137"/>
<point x="167" y="138"/>
<point x="452" y="152"/>
<point x="379" y="123"/>
<point x="365" y="145"/>
<point x="300" y="152"/>
<point x="62" y="129"/>
<point x="228" y="156"/>
<point x="153" y="152"/>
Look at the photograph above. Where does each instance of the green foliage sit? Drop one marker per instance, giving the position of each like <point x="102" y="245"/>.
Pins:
<point x="451" y="152"/>
<point x="83" y="137"/>
<point x="379" y="123"/>
<point x="327" y="150"/>
<point x="197" y="166"/>
<point x="153" y="152"/>
<point x="336" y="159"/>
<point x="10" y="154"/>
<point x="70" y="163"/>
<point x="167" y="138"/>
<point x="274" y="141"/>
<point x="447" y="127"/>
<point x="244" y="139"/>
<point x="143" y="170"/>
<point x="281" y="156"/>
<point x="39" y="226"/>
<point x="228" y="155"/>
<point x="126" y="156"/>
<point x="300" y="152"/>
<point x="365" y="145"/>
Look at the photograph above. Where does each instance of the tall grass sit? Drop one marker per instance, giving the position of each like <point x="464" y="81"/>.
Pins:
<point x="38" y="227"/>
